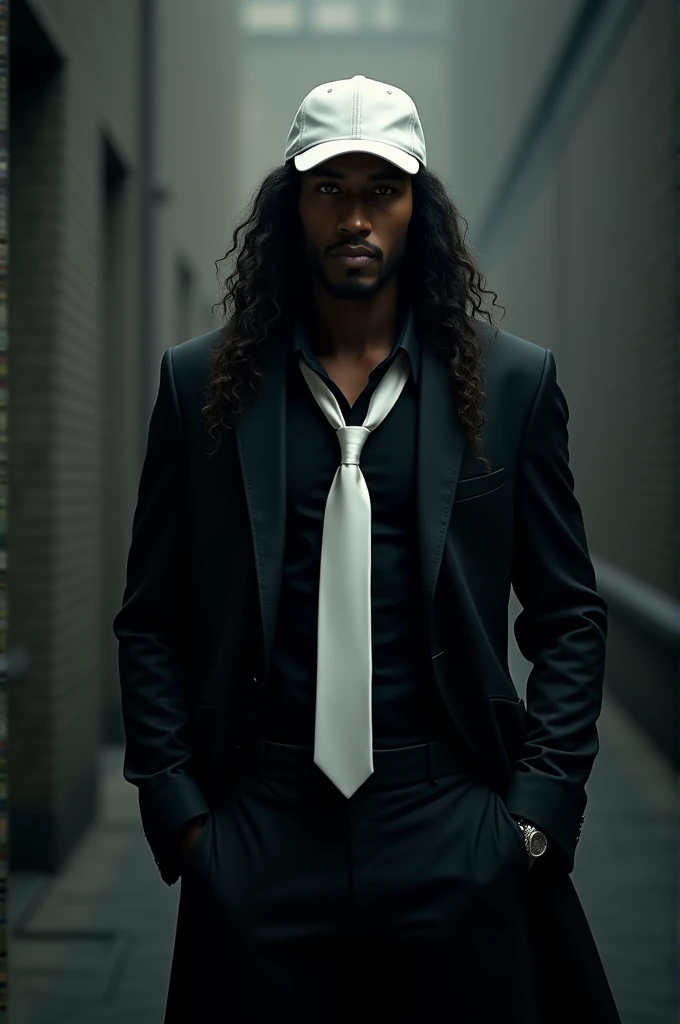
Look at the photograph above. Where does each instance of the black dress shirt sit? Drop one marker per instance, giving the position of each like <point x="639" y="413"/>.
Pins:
<point x="407" y="708"/>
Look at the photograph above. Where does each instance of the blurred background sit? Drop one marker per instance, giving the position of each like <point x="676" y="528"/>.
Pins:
<point x="138" y="131"/>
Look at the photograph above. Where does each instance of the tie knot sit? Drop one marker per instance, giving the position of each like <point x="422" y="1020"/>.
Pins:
<point x="352" y="440"/>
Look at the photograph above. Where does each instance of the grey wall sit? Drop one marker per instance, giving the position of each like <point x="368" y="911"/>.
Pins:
<point x="501" y="55"/>
<point x="58" y="434"/>
<point x="78" y="360"/>
<point x="195" y="160"/>
<point x="576" y="229"/>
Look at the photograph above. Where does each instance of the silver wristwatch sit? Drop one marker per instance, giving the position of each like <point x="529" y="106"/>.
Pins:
<point x="535" y="841"/>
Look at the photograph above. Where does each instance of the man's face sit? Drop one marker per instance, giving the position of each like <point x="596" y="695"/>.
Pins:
<point x="358" y="200"/>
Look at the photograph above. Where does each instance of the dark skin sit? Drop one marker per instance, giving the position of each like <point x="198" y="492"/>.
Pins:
<point x="353" y="199"/>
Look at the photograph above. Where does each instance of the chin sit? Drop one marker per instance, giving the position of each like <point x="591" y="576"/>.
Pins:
<point x="352" y="288"/>
<point x="352" y="293"/>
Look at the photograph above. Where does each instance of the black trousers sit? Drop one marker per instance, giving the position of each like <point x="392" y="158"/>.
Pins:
<point x="407" y="899"/>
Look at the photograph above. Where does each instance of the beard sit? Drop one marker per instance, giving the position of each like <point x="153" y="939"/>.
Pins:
<point x="353" y="288"/>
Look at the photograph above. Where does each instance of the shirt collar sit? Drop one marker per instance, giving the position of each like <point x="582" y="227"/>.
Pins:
<point x="407" y="340"/>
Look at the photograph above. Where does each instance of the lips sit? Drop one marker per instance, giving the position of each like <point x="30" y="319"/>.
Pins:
<point x="353" y="250"/>
<point x="355" y="261"/>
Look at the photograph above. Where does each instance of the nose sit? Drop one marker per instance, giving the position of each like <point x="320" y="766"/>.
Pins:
<point x="353" y="220"/>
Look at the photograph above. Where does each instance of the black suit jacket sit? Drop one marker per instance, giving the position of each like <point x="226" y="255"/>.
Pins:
<point x="200" y="605"/>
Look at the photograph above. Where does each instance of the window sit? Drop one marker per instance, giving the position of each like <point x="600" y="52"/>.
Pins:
<point x="275" y="16"/>
<point x="343" y="17"/>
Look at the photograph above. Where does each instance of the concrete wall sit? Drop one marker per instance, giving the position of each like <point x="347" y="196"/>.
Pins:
<point x="78" y="359"/>
<point x="568" y="177"/>
<point x="195" y="160"/>
<point x="57" y="368"/>
<point x="501" y="56"/>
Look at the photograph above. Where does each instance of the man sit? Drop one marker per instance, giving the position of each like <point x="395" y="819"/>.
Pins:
<point x="329" y="748"/>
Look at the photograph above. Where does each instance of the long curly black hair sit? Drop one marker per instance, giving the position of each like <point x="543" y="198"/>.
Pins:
<point x="262" y="291"/>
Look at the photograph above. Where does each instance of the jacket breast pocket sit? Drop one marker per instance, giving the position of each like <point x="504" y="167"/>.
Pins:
<point x="479" y="486"/>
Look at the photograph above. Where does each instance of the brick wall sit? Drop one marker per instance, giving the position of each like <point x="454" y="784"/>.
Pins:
<point x="78" y="398"/>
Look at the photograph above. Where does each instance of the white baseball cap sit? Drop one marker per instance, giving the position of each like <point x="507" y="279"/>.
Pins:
<point x="357" y="115"/>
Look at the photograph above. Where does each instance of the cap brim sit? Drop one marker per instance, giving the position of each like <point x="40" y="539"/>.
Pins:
<point x="336" y="147"/>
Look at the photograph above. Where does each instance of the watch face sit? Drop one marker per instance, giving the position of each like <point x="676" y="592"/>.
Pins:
<point x="537" y="844"/>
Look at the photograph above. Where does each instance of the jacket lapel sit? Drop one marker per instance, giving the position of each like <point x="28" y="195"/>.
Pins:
<point x="441" y="443"/>
<point x="261" y="437"/>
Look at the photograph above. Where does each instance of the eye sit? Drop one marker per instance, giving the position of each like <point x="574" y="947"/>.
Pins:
<point x="328" y="184"/>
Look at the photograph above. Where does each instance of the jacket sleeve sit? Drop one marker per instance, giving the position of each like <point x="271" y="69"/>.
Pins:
<point x="561" y="629"/>
<point x="155" y="712"/>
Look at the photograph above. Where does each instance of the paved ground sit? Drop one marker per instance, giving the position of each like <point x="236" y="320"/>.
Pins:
<point x="94" y="944"/>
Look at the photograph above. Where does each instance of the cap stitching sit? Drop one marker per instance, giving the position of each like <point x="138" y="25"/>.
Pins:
<point x="352" y="113"/>
<point x="355" y="95"/>
<point x="302" y="123"/>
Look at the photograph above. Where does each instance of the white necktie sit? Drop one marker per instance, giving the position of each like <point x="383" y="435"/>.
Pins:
<point x="343" y="732"/>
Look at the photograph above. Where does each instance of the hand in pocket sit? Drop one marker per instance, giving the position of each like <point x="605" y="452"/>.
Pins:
<point x="188" y="839"/>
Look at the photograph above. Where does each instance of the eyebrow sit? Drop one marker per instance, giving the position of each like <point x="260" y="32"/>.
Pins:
<point x="390" y="175"/>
